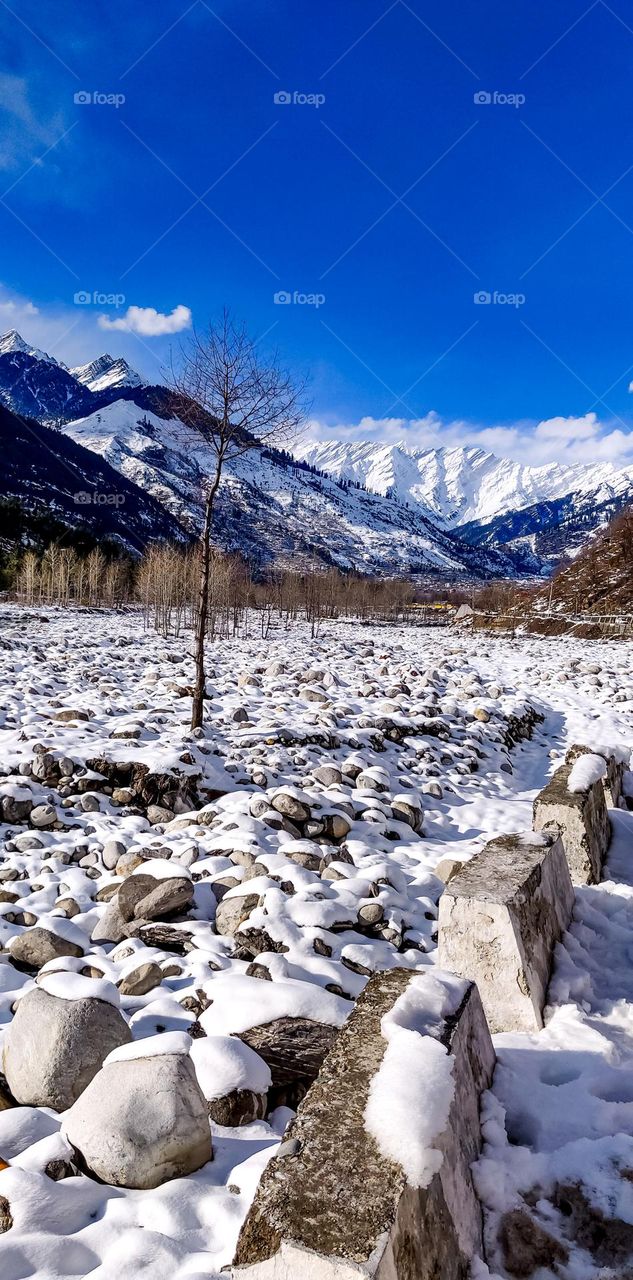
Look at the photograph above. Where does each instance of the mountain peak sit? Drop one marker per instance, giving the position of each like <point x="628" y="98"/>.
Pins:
<point x="12" y="341"/>
<point x="107" y="371"/>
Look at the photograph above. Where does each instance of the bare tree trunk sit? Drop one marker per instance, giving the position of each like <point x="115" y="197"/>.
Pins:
<point x="197" y="705"/>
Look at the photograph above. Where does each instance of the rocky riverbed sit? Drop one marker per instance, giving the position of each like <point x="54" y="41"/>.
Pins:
<point x="186" y="919"/>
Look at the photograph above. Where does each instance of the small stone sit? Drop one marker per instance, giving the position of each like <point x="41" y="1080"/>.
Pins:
<point x="122" y="795"/>
<point x="447" y="868"/>
<point x="290" y="806"/>
<point x="371" y="913"/>
<point x="90" y="803"/>
<point x="156" y="814"/>
<point x="43" y="815"/>
<point x="141" y="980"/>
<point x="127" y="863"/>
<point x="6" y="1217"/>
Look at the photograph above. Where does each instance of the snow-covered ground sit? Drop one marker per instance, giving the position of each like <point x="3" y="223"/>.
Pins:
<point x="358" y="729"/>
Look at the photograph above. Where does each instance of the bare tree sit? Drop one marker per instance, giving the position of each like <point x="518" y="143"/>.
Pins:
<point x="237" y="400"/>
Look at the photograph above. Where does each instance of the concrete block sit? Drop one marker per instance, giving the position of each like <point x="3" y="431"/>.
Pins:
<point x="499" y="921"/>
<point x="582" y="821"/>
<point x="330" y="1205"/>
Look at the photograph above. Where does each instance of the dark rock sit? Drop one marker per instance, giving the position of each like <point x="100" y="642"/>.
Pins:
<point x="294" y="1049"/>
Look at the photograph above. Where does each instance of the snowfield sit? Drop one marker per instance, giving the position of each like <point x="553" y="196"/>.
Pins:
<point x="293" y="855"/>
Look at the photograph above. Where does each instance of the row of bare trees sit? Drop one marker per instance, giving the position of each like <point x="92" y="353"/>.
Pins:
<point x="165" y="582"/>
<point x="62" y="576"/>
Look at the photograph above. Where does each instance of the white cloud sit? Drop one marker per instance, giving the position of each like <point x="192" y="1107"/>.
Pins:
<point x="148" y="322"/>
<point x="561" y="439"/>
<point x="12" y="310"/>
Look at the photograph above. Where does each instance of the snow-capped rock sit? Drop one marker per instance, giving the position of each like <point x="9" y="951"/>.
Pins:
<point x="105" y="372"/>
<point x="13" y="341"/>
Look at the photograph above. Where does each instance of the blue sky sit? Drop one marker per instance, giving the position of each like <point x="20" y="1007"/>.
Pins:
<point x="382" y="198"/>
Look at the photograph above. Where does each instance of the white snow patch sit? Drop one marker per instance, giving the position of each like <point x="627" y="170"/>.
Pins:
<point x="168" y="1042"/>
<point x="224" y="1063"/>
<point x="585" y="771"/>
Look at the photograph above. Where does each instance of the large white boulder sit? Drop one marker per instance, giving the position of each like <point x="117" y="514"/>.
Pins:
<point x="143" y="1119"/>
<point x="54" y="1046"/>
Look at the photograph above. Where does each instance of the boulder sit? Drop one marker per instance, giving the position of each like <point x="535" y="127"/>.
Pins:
<point x="168" y="897"/>
<point x="233" y="1078"/>
<point x="142" y="1120"/>
<point x="37" y="946"/>
<point x="294" y="1049"/>
<point x="54" y="1047"/>
<point x="231" y="912"/>
<point x="613" y="782"/>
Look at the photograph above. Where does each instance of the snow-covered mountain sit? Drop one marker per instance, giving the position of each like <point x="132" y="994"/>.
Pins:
<point x="49" y="485"/>
<point x="37" y="385"/>
<point x="271" y="508"/>
<point x="374" y="508"/>
<point x="106" y="372"/>
<point x="457" y="486"/>
<point x="13" y="341"/>
<point x="547" y="511"/>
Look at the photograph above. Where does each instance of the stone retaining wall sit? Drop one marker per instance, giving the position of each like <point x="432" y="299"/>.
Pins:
<point x="613" y="782"/>
<point x="581" y="819"/>
<point x="331" y="1206"/>
<point x="499" y="921"/>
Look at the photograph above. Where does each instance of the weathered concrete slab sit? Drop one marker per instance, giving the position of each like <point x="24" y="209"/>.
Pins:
<point x="581" y="819"/>
<point x="613" y="783"/>
<point x="330" y="1205"/>
<point x="499" y="921"/>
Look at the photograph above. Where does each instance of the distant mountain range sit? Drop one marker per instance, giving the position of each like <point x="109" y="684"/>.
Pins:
<point x="445" y="514"/>
<point x="545" y="512"/>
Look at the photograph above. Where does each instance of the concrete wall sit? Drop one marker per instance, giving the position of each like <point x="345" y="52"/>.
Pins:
<point x="499" y="921"/>
<point x="331" y="1206"/>
<point x="582" y="821"/>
